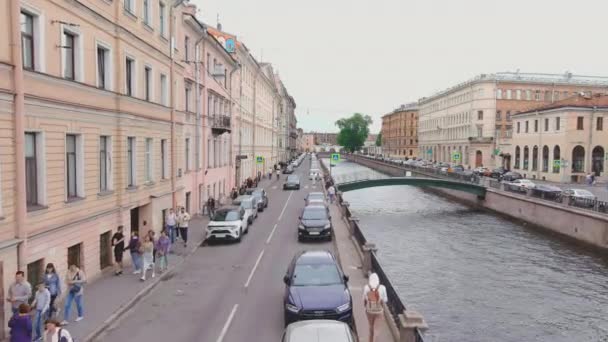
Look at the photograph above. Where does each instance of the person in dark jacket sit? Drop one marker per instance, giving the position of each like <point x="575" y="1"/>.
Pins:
<point x="21" y="325"/>
<point x="134" y="248"/>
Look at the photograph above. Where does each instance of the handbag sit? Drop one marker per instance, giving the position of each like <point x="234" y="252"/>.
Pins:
<point x="75" y="288"/>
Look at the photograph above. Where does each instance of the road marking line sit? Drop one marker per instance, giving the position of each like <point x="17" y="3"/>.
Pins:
<point x="274" y="187"/>
<point x="285" y="206"/>
<point x="253" y="269"/>
<point x="271" y="233"/>
<point x="227" y="324"/>
<point x="305" y="186"/>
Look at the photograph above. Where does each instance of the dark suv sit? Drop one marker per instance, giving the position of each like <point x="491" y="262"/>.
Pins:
<point x="316" y="288"/>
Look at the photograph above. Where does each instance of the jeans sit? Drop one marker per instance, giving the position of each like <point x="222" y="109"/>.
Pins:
<point x="162" y="262"/>
<point x="184" y="233"/>
<point x="171" y="232"/>
<point x="52" y="308"/>
<point x="38" y="322"/>
<point x="68" y="305"/>
<point x="136" y="257"/>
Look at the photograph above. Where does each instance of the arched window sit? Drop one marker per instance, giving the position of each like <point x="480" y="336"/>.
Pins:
<point x="478" y="158"/>
<point x="535" y="158"/>
<point x="597" y="158"/>
<point x="556" y="159"/>
<point x="578" y="159"/>
<point x="526" y="157"/>
<point x="545" y="158"/>
<point x="517" y="157"/>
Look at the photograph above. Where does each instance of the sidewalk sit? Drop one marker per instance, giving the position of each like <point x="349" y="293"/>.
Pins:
<point x="108" y="296"/>
<point x="352" y="266"/>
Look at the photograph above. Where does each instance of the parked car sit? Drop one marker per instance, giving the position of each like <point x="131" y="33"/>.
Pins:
<point x="456" y="169"/>
<point x="261" y="197"/>
<point x="250" y="204"/>
<point x="481" y="171"/>
<point x="288" y="170"/>
<point x="498" y="172"/>
<point x="316" y="288"/>
<point x="228" y="223"/>
<point x="315" y="198"/>
<point x="510" y="176"/>
<point x="580" y="198"/>
<point x="522" y="185"/>
<point x="318" y="330"/>
<point x="315" y="223"/>
<point x="292" y="182"/>
<point x="547" y="191"/>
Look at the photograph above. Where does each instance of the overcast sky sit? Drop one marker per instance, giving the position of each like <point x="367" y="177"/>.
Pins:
<point x="337" y="57"/>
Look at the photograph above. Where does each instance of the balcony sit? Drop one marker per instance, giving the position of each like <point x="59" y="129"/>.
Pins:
<point x="481" y="140"/>
<point x="220" y="124"/>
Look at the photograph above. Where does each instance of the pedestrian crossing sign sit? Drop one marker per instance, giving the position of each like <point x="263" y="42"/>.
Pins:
<point x="259" y="160"/>
<point x="335" y="157"/>
<point x="456" y="156"/>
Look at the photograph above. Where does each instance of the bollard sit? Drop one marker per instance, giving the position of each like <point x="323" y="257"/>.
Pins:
<point x="368" y="249"/>
<point x="409" y="321"/>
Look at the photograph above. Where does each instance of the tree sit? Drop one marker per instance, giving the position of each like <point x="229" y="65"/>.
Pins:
<point x="353" y="131"/>
<point x="379" y="139"/>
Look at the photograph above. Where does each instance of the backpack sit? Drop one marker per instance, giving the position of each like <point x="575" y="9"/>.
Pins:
<point x="63" y="338"/>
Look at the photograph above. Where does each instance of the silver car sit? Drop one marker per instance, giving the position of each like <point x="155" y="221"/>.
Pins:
<point x="318" y="331"/>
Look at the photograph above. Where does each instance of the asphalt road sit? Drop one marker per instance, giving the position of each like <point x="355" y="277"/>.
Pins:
<point x="228" y="292"/>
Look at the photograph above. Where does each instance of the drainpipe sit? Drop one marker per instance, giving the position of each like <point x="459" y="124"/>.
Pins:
<point x="198" y="117"/>
<point x="172" y="99"/>
<point x="19" y="110"/>
<point x="255" y="114"/>
<point x="590" y="153"/>
<point x="239" y="180"/>
<point x="231" y="155"/>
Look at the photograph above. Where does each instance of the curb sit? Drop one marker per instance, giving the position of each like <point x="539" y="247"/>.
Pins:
<point x="125" y="307"/>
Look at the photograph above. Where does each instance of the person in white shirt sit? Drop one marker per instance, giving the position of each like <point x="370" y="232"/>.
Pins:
<point x="54" y="332"/>
<point x="171" y="222"/>
<point x="374" y="295"/>
<point x="184" y="219"/>
<point x="332" y="193"/>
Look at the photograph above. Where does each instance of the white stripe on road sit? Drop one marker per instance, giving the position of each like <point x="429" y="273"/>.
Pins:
<point x="271" y="233"/>
<point x="227" y="324"/>
<point x="253" y="269"/>
<point x="285" y="207"/>
<point x="274" y="187"/>
<point x="305" y="186"/>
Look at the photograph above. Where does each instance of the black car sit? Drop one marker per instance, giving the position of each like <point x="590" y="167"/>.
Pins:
<point x="293" y="182"/>
<point x="511" y="176"/>
<point x="261" y="196"/>
<point x="315" y="223"/>
<point x="316" y="288"/>
<point x="498" y="172"/>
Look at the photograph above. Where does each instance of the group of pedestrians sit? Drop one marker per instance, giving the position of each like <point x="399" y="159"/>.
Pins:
<point x="37" y="321"/>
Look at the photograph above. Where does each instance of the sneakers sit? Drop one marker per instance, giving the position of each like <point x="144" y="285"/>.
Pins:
<point x="137" y="272"/>
<point x="79" y="319"/>
<point x="153" y="275"/>
<point x="64" y="322"/>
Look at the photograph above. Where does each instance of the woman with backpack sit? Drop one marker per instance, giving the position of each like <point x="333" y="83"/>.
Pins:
<point x="374" y="295"/>
<point x="53" y="332"/>
<point x="75" y="280"/>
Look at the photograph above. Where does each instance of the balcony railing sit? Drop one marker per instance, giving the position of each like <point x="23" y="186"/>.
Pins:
<point x="220" y="124"/>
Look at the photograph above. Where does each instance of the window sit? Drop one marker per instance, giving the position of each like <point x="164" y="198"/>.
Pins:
<point x="508" y="115"/>
<point x="518" y="94"/>
<point x="104" y="163"/>
<point x="103" y="67"/>
<point x="509" y="93"/>
<point x="517" y="157"/>
<point x="518" y="127"/>
<point x="528" y="95"/>
<point x="129" y="6"/>
<point x="600" y="124"/>
<point x="163" y="90"/>
<point x="546" y="125"/>
<point x="535" y="126"/>
<point x="69" y="56"/>
<point x="537" y="95"/>
<point x="130" y="76"/>
<point x="27" y="40"/>
<point x="74" y="255"/>
<point x="147" y="12"/>
<point x="479" y="131"/>
<point x="161" y="15"/>
<point x="548" y="95"/>
<point x="149" y="156"/>
<point x="499" y="94"/>
<point x="527" y="126"/>
<point x="480" y="115"/>
<point x="498" y="115"/>
<point x="72" y="161"/>
<point x="187" y="160"/>
<point x="131" y="171"/>
<point x="186" y="48"/>
<point x="163" y="158"/>
<point x="579" y="123"/>
<point x="105" y="250"/>
<point x="187" y="91"/>
<point x="31" y="169"/>
<point x="148" y="82"/>
<point x="35" y="273"/>
<point x="557" y="123"/>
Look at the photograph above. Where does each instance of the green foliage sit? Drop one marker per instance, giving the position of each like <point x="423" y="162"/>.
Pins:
<point x="379" y="139"/>
<point x="353" y="131"/>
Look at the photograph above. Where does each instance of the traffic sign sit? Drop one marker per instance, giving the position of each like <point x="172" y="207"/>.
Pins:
<point x="259" y="160"/>
<point x="335" y="157"/>
<point x="557" y="163"/>
<point x="456" y="156"/>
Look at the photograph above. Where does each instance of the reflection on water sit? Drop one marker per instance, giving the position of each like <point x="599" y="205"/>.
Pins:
<point x="479" y="277"/>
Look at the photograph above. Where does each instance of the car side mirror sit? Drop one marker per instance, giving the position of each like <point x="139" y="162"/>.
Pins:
<point x="286" y="279"/>
<point x="346" y="278"/>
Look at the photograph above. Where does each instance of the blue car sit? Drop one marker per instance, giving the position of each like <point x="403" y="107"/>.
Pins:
<point x="316" y="288"/>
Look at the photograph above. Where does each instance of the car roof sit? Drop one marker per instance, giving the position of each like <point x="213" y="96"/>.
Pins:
<point x="318" y="331"/>
<point x="315" y="207"/>
<point x="230" y="208"/>
<point x="243" y="198"/>
<point x="316" y="193"/>
<point x="315" y="257"/>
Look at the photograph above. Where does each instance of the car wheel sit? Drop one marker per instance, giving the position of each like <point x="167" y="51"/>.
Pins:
<point x="250" y="220"/>
<point x="240" y="238"/>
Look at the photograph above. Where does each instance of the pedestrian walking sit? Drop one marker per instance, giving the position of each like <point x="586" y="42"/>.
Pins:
<point x="374" y="295"/>
<point x="21" y="324"/>
<point x="55" y="333"/>
<point x="135" y="250"/>
<point x="588" y="179"/>
<point x="332" y="193"/>
<point x="234" y="194"/>
<point x="152" y="235"/>
<point x="52" y="282"/>
<point x="210" y="207"/>
<point x="19" y="292"/>
<point x="184" y="222"/>
<point x="75" y="280"/>
<point x="276" y="172"/>
<point x="171" y="222"/>
<point x="162" y="249"/>
<point x="41" y="303"/>
<point x="118" y="241"/>
<point x="148" y="257"/>
<point x="269" y="173"/>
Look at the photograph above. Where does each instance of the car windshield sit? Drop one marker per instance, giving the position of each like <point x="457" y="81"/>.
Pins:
<point x="316" y="275"/>
<point x="231" y="215"/>
<point x="583" y="193"/>
<point x="315" y="196"/>
<point x="248" y="204"/>
<point x="314" y="214"/>
<point x="292" y="178"/>
<point x="257" y="193"/>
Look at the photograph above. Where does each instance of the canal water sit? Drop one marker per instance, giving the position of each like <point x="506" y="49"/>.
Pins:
<point x="479" y="277"/>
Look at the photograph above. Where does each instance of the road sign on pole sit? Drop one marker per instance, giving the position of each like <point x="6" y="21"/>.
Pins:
<point x="456" y="156"/>
<point x="335" y="157"/>
<point x="259" y="160"/>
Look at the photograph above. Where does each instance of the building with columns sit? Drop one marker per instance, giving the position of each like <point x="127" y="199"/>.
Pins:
<point x="400" y="132"/>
